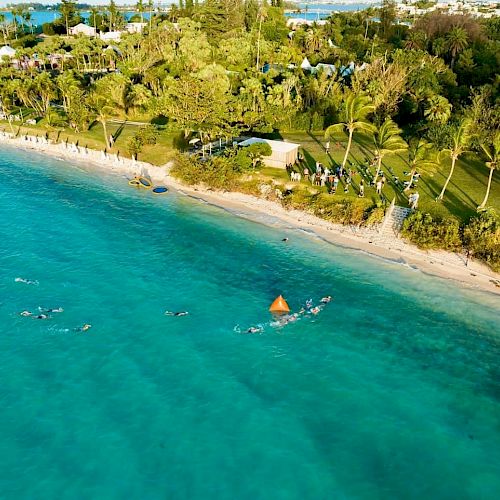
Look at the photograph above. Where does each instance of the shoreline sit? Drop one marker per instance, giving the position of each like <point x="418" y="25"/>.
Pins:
<point x="438" y="263"/>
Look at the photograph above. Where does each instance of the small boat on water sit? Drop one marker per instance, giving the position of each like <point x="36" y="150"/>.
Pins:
<point x="160" y="190"/>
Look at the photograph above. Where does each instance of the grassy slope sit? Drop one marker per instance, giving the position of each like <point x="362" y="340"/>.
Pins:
<point x="465" y="191"/>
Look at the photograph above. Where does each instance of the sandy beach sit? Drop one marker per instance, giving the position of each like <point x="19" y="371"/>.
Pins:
<point x="439" y="263"/>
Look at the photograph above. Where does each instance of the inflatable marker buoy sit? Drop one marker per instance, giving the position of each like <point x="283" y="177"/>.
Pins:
<point x="160" y="190"/>
<point x="279" y="305"/>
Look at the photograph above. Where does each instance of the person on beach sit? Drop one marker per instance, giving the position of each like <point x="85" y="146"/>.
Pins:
<point x="306" y="173"/>
<point x="179" y="313"/>
<point x="327" y="147"/>
<point x="379" y="187"/>
<point x="361" y="189"/>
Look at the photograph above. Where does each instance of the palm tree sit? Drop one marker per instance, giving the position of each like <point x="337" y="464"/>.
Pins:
<point x="150" y="7"/>
<point x="26" y="16"/>
<point x="140" y="8"/>
<point x="261" y="15"/>
<point x="460" y="141"/>
<point x="94" y="12"/>
<point x="387" y="140"/>
<point x="356" y="109"/>
<point x="438" y="109"/>
<point x="457" y="40"/>
<point x="103" y="112"/>
<point x="3" y="28"/>
<point x="416" y="40"/>
<point x="439" y="46"/>
<point x="492" y="152"/>
<point x="419" y="158"/>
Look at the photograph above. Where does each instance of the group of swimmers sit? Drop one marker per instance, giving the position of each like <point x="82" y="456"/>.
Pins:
<point x="308" y="309"/>
<point x="45" y="313"/>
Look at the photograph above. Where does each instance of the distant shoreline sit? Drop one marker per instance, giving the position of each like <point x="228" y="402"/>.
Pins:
<point x="437" y="263"/>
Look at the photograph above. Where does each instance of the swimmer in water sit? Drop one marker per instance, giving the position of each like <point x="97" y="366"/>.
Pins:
<point x="254" y="329"/>
<point x="41" y="316"/>
<point x="285" y="239"/>
<point x="179" y="313"/>
<point x="26" y="313"/>
<point x="326" y="299"/>
<point x="27" y="282"/>
<point x="315" y="310"/>
<point x="309" y="304"/>
<point x="57" y="310"/>
<point x="83" y="328"/>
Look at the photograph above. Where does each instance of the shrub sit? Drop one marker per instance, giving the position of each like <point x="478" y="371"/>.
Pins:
<point x="482" y="238"/>
<point x="216" y="172"/>
<point x="427" y="232"/>
<point x="375" y="216"/>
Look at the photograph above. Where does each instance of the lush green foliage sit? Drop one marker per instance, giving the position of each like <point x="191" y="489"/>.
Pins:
<point x="429" y="232"/>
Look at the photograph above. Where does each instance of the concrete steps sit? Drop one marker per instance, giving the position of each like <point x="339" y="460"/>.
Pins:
<point x="394" y="221"/>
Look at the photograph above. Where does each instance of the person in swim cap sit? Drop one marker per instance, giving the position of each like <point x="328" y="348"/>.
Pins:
<point x="179" y="313"/>
<point x="254" y="329"/>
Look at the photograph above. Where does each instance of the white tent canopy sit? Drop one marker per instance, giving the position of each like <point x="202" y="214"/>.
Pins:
<point x="306" y="64"/>
<point x="7" y="50"/>
<point x="283" y="153"/>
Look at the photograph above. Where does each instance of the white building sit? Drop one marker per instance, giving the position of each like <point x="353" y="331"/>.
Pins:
<point x="135" y="27"/>
<point x="283" y="153"/>
<point x="82" y="29"/>
<point x="111" y="36"/>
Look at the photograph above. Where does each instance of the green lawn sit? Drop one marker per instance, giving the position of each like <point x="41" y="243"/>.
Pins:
<point x="465" y="191"/>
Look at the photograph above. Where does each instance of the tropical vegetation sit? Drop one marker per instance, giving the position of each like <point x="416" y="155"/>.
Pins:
<point x="418" y="103"/>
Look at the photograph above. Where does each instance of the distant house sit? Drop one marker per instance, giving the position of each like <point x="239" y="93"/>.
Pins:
<point x="111" y="36"/>
<point x="7" y="51"/>
<point x="82" y="29"/>
<point x="135" y="27"/>
<point x="283" y="153"/>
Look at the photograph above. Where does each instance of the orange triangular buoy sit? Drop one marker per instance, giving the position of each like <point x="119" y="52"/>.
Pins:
<point x="279" y="305"/>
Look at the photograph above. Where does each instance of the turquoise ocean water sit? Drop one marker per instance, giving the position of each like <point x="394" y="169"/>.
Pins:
<point x="392" y="391"/>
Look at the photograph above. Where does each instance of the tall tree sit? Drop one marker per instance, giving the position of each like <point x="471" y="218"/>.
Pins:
<point x="387" y="139"/>
<point x="387" y="14"/>
<point x="69" y="11"/>
<point x="355" y="111"/>
<point x="460" y="142"/>
<point x="419" y="158"/>
<point x="140" y="8"/>
<point x="492" y="153"/>
<point x="457" y="40"/>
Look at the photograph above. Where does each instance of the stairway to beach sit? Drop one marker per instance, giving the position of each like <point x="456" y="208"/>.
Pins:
<point x="394" y="221"/>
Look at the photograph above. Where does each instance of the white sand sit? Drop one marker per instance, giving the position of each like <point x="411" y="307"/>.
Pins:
<point x="439" y="263"/>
